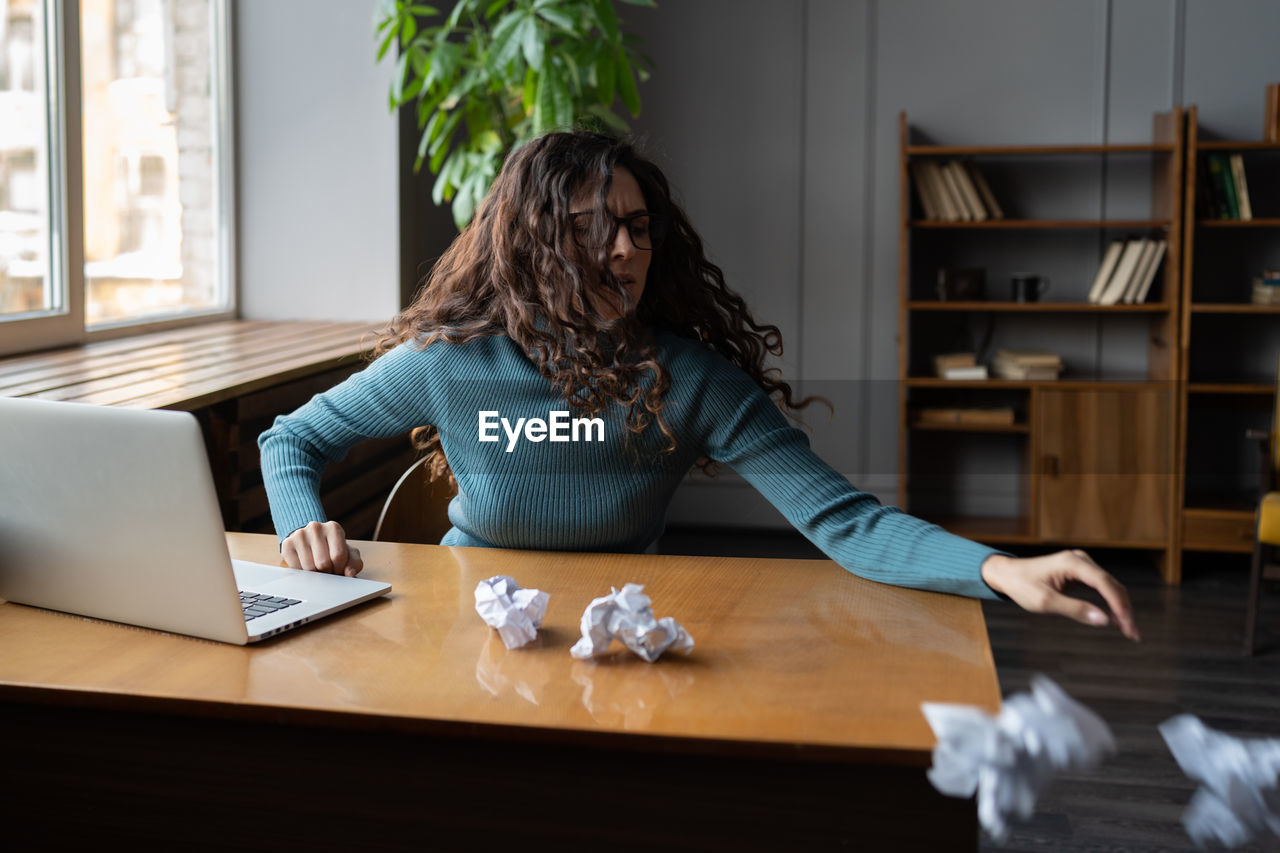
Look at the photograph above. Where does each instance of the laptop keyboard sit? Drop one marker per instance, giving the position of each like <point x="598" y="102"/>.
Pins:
<point x="256" y="604"/>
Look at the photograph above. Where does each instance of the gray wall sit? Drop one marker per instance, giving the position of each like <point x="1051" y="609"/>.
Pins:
<point x="317" y="182"/>
<point x="778" y="122"/>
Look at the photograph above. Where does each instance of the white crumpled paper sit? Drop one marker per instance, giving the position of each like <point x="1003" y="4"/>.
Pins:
<point x="1009" y="759"/>
<point x="516" y="613"/>
<point x="627" y="616"/>
<point x="1240" y="795"/>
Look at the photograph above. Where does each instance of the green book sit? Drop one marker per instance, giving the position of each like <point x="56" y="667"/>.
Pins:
<point x="1220" y="170"/>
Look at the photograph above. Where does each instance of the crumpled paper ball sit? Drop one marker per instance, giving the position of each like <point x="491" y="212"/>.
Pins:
<point x="627" y="616"/>
<point x="1239" y="798"/>
<point x="516" y="612"/>
<point x="1010" y="759"/>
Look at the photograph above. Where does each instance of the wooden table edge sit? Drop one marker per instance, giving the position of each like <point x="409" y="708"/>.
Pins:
<point x="35" y="695"/>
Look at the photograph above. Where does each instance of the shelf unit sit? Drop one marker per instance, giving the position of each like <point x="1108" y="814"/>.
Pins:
<point x="1089" y="459"/>
<point x="1227" y="348"/>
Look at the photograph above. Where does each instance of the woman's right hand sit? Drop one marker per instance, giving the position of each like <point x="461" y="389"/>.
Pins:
<point x="322" y="547"/>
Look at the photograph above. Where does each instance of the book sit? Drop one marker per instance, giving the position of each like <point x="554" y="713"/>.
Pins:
<point x="1220" y="172"/>
<point x="947" y="209"/>
<point x="1209" y="201"/>
<point x="1139" y="272"/>
<point x="1030" y="357"/>
<point x="953" y="359"/>
<point x="1242" y="189"/>
<point x="924" y="191"/>
<point x="1105" y="269"/>
<point x="1150" y="275"/>
<point x="984" y="190"/>
<point x="957" y="195"/>
<point x="1015" y="371"/>
<point x="1119" y="281"/>
<point x="968" y="191"/>
<point x="974" y="371"/>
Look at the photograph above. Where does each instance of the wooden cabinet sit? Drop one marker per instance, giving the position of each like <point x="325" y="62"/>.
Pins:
<point x="1089" y="459"/>
<point x="1104" y="466"/>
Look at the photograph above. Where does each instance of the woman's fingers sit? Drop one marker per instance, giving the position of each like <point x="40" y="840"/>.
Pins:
<point x="1084" y="570"/>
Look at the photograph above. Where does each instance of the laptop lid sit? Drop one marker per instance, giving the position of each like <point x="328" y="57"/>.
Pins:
<point x="112" y="513"/>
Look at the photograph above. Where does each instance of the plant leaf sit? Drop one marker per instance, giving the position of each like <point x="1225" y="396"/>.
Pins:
<point x="532" y="42"/>
<point x="530" y="91"/>
<point x="559" y="17"/>
<point x="562" y="101"/>
<point x="456" y="15"/>
<point x="608" y="19"/>
<point x="397" y="82"/>
<point x="494" y="8"/>
<point x="605" y="76"/>
<point x="386" y="44"/>
<point x="408" y="29"/>
<point x="543" y="106"/>
<point x="627" y="85"/>
<point x="506" y="41"/>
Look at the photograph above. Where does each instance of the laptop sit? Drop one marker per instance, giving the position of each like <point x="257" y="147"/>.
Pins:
<point x="112" y="513"/>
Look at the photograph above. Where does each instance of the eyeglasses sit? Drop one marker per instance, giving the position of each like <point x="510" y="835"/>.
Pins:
<point x="646" y="230"/>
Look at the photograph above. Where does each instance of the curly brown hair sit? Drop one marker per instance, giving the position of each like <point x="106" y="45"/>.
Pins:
<point x="516" y="271"/>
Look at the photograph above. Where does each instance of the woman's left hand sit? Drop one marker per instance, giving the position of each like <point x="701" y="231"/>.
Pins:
<point x="1036" y="584"/>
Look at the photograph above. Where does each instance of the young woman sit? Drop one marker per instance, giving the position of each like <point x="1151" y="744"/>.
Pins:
<point x="575" y="354"/>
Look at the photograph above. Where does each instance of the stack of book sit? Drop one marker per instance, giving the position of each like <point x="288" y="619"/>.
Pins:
<point x="959" y="365"/>
<point x="1027" y="364"/>
<point x="1222" y="188"/>
<point x="1127" y="271"/>
<point x="1266" y="288"/>
<point x="954" y="191"/>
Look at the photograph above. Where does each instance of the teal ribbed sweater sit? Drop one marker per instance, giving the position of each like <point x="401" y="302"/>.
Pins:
<point x="598" y="495"/>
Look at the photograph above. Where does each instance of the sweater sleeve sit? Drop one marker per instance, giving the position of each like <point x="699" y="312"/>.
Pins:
<point x="749" y="433"/>
<point x="385" y="399"/>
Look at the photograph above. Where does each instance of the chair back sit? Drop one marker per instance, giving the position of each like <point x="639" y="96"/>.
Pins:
<point x="417" y="510"/>
<point x="1275" y="426"/>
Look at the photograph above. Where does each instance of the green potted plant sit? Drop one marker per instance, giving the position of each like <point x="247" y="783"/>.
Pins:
<point x="492" y="74"/>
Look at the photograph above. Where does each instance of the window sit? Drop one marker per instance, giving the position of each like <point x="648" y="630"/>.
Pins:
<point x="115" y="170"/>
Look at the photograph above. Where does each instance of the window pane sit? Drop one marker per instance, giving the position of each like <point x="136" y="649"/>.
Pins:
<point x="151" y="157"/>
<point x="26" y="280"/>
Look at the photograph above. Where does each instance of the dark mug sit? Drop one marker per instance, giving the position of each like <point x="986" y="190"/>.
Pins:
<point x="1028" y="287"/>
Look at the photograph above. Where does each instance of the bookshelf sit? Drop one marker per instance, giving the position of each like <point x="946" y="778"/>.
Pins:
<point x="1227" y="344"/>
<point x="1088" y="458"/>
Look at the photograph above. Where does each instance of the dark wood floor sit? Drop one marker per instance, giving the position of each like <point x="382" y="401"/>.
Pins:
<point x="1189" y="661"/>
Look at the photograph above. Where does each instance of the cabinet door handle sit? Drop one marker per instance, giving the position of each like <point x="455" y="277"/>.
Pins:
<point x="1049" y="467"/>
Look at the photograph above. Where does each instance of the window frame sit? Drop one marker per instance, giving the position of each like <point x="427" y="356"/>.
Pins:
<point x="66" y="193"/>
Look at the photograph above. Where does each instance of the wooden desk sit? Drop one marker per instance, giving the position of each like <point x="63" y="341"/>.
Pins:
<point x="236" y="377"/>
<point x="795" y="723"/>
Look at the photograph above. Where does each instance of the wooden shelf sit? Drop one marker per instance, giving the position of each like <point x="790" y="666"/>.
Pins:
<point x="1237" y="145"/>
<point x="1256" y="388"/>
<point x="1270" y="222"/>
<point x="1038" y="307"/>
<point x="1233" y="308"/>
<point x="927" y="426"/>
<point x="1033" y="150"/>
<point x="1012" y="224"/>
<point x="1085" y="412"/>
